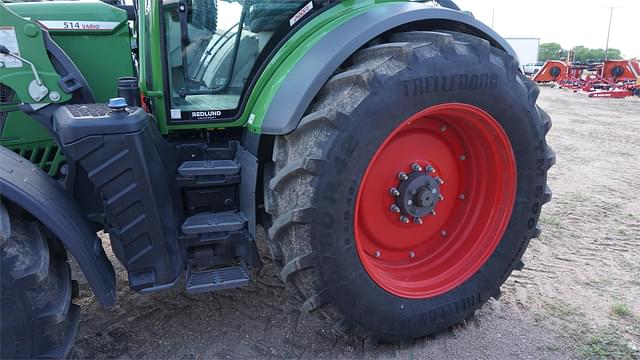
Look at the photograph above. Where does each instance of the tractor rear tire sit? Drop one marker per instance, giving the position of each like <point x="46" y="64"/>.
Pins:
<point x="37" y="316"/>
<point x="322" y="169"/>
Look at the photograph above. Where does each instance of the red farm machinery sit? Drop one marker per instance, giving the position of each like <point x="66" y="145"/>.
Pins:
<point x="612" y="78"/>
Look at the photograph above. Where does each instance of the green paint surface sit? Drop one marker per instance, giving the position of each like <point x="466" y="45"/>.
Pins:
<point x="101" y="56"/>
<point x="279" y="66"/>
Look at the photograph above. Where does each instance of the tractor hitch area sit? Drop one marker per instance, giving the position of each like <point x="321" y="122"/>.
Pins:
<point x="417" y="194"/>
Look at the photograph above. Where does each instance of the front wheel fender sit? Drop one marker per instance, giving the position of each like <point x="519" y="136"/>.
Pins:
<point x="26" y="185"/>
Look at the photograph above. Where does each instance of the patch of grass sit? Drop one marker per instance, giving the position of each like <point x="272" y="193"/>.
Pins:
<point x="550" y="220"/>
<point x="614" y="341"/>
<point x="620" y="309"/>
<point x="607" y="344"/>
<point x="561" y="310"/>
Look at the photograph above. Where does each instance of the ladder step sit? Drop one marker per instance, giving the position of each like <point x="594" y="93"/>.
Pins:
<point x="209" y="167"/>
<point x="216" y="279"/>
<point x="213" y="222"/>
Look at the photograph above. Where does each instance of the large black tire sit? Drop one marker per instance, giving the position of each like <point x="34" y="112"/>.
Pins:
<point x="37" y="317"/>
<point x="319" y="167"/>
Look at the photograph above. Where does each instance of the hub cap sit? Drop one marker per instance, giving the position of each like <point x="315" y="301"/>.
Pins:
<point x="435" y="200"/>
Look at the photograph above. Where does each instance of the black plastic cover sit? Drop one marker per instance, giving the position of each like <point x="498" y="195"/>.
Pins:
<point x="122" y="157"/>
<point x="74" y="122"/>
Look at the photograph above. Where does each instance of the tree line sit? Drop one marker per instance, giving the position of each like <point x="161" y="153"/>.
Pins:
<point x="554" y="51"/>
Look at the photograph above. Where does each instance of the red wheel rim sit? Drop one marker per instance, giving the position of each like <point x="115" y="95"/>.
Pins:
<point x="470" y="152"/>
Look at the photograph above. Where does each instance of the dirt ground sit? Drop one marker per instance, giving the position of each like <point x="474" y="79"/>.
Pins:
<point x="577" y="297"/>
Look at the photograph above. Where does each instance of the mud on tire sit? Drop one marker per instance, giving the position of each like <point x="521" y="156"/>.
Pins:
<point x="37" y="316"/>
<point x="318" y="168"/>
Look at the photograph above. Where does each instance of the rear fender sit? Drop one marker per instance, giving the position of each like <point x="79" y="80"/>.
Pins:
<point x="303" y="81"/>
<point x="26" y="185"/>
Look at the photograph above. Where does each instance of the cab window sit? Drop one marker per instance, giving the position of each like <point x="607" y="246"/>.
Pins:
<point x="211" y="49"/>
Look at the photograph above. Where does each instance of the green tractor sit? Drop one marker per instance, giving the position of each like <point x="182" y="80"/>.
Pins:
<point x="392" y="151"/>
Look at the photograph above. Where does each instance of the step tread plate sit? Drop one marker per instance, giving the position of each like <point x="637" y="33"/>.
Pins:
<point x="209" y="167"/>
<point x="216" y="279"/>
<point x="213" y="222"/>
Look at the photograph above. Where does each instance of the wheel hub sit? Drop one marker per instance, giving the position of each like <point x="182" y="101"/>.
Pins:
<point x="417" y="194"/>
<point x="453" y="159"/>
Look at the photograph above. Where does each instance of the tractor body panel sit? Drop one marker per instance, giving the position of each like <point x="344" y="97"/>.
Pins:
<point x="297" y="61"/>
<point x="325" y="54"/>
<point x="94" y="35"/>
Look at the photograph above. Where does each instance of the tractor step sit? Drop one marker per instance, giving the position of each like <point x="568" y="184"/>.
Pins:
<point x="209" y="167"/>
<point x="216" y="279"/>
<point x="213" y="222"/>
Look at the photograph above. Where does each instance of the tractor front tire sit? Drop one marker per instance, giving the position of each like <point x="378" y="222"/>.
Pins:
<point x="410" y="190"/>
<point x="38" y="319"/>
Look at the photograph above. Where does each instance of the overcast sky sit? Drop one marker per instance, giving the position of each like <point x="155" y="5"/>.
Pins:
<point x="568" y="22"/>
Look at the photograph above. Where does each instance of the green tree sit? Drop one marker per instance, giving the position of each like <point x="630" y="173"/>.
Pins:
<point x="584" y="54"/>
<point x="551" y="51"/>
<point x="614" y="54"/>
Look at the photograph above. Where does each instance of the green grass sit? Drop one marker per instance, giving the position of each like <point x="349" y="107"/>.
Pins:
<point x="607" y="344"/>
<point x="550" y="220"/>
<point x="595" y="343"/>
<point x="621" y="310"/>
<point x="561" y="310"/>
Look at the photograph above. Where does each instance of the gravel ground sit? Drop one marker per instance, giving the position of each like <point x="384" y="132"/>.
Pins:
<point x="577" y="297"/>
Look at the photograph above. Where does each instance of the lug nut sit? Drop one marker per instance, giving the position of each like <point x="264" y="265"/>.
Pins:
<point x="430" y="169"/>
<point x="418" y="220"/>
<point x="439" y="180"/>
<point x="433" y="212"/>
<point x="463" y="157"/>
<point x="443" y="128"/>
<point x="443" y="232"/>
<point x="402" y="176"/>
<point x="462" y="196"/>
<point x="394" y="192"/>
<point x="377" y="253"/>
<point x="416" y="167"/>
<point x="394" y="208"/>
<point x="440" y="197"/>
<point x="404" y="219"/>
<point x="412" y="254"/>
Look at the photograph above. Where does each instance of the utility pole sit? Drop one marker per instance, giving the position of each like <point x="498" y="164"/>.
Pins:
<point x="606" y="49"/>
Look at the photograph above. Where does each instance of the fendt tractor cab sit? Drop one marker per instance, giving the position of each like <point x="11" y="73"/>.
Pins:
<point x="391" y="150"/>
